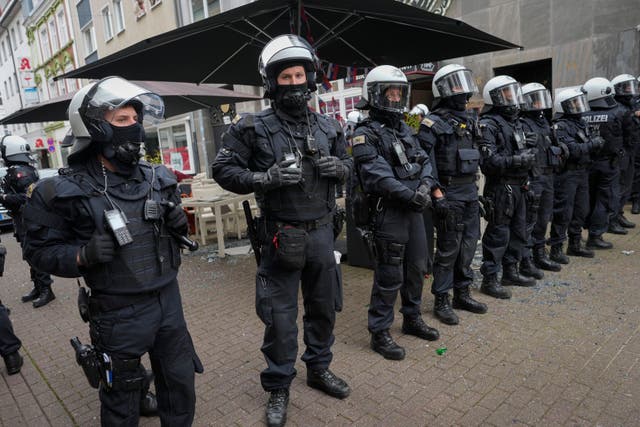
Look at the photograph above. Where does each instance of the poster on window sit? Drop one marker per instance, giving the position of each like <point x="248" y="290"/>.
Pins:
<point x="176" y="158"/>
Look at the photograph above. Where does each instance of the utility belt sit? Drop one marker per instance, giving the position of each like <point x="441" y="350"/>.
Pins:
<point x="576" y="166"/>
<point x="303" y="225"/>
<point x="101" y="302"/>
<point x="452" y="181"/>
<point x="546" y="170"/>
<point x="509" y="180"/>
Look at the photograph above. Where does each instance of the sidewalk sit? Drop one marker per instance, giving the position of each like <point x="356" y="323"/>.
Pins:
<point x="565" y="352"/>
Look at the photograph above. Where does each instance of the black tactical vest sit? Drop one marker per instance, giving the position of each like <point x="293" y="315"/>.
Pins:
<point x="512" y="138"/>
<point x="604" y="123"/>
<point x="455" y="152"/>
<point x="152" y="260"/>
<point x="547" y="154"/>
<point x="314" y="197"/>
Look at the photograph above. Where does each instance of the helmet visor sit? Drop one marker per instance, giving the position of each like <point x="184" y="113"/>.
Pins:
<point x="630" y="87"/>
<point x="390" y="96"/>
<point x="505" y="96"/>
<point x="460" y="81"/>
<point x="537" y="101"/>
<point x="575" y="105"/>
<point x="113" y="93"/>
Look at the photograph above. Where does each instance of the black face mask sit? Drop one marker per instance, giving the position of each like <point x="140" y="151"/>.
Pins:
<point x="387" y="117"/>
<point x="509" y="113"/>
<point x="457" y="102"/>
<point x="124" y="149"/>
<point x="292" y="99"/>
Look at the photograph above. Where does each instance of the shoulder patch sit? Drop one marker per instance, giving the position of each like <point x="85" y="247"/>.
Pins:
<point x="30" y="190"/>
<point x="360" y="139"/>
<point x="427" y="122"/>
<point x="236" y="119"/>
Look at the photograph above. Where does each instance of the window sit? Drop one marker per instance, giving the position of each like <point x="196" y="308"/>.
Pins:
<point x="201" y="9"/>
<point x="19" y="27"/>
<point x="63" y="33"/>
<point x="53" y="32"/>
<point x="4" y="52"/>
<point x="11" y="85"/>
<point x="13" y="39"/>
<point x="106" y="22"/>
<point x="175" y="145"/>
<point x="53" y="89"/>
<point x="6" y="90"/>
<point x="140" y="8"/>
<point x="350" y="103"/>
<point x="89" y="37"/>
<point x="154" y="3"/>
<point x="44" y="44"/>
<point x="0" y="99"/>
<point x="62" y="87"/>
<point x="119" y="15"/>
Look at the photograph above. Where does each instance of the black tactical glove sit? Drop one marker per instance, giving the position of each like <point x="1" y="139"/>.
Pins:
<point x="99" y="250"/>
<point x="596" y="143"/>
<point x="524" y="160"/>
<point x="421" y="199"/>
<point x="441" y="207"/>
<point x="332" y="167"/>
<point x="176" y="220"/>
<point x="564" y="149"/>
<point x="279" y="175"/>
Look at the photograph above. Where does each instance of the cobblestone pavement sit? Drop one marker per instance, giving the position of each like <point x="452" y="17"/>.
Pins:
<point x="565" y="352"/>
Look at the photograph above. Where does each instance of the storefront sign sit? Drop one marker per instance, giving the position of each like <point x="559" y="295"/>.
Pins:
<point x="439" y="7"/>
<point x="177" y="158"/>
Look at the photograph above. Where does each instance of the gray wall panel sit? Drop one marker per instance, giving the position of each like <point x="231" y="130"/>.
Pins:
<point x="571" y="20"/>
<point x="535" y="19"/>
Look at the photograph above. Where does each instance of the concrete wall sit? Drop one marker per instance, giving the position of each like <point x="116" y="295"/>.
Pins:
<point x="584" y="38"/>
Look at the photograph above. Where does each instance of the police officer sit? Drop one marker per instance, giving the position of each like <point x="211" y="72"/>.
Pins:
<point x="548" y="160"/>
<point x="353" y="118"/>
<point x="571" y="184"/>
<point x="507" y="158"/>
<point x="9" y="343"/>
<point x="292" y="158"/>
<point x="112" y="218"/>
<point x="449" y="133"/>
<point x="419" y="110"/>
<point x="604" y="119"/>
<point x="16" y="154"/>
<point x="626" y="91"/>
<point x="395" y="173"/>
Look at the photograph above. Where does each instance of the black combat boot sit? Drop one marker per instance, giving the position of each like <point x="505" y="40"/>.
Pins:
<point x="277" y="407"/>
<point x="512" y="277"/>
<point x="596" y="242"/>
<point x="34" y="294"/>
<point x="381" y="342"/>
<point x="557" y="255"/>
<point x="442" y="309"/>
<point x="624" y="222"/>
<point x="462" y="301"/>
<point x="13" y="362"/>
<point x="575" y="248"/>
<point x="491" y="287"/>
<point x="326" y="381"/>
<point x="635" y="206"/>
<point x="615" y="227"/>
<point x="527" y="268"/>
<point x="542" y="261"/>
<point x="46" y="296"/>
<point x="415" y="326"/>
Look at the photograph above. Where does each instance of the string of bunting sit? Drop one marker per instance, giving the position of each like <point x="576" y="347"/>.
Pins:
<point x="331" y="71"/>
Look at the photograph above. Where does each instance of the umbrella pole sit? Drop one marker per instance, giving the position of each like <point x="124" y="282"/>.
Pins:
<point x="299" y="13"/>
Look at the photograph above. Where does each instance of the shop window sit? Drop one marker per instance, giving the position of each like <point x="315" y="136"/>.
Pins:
<point x="175" y="146"/>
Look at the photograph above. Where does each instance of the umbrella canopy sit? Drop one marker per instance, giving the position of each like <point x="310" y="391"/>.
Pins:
<point x="349" y="33"/>
<point x="178" y="98"/>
